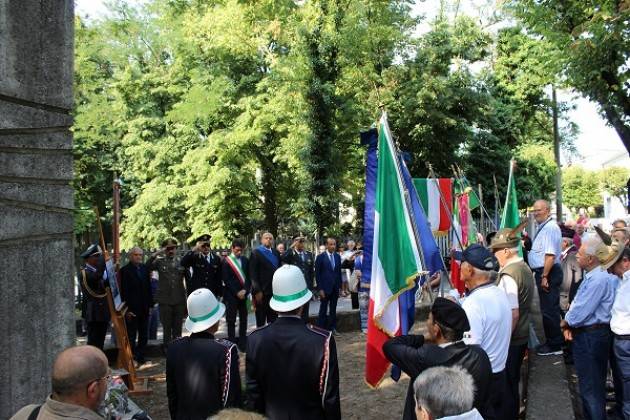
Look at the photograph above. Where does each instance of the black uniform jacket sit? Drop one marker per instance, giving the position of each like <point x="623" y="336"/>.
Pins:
<point x="261" y="271"/>
<point x="135" y="289"/>
<point x="231" y="282"/>
<point x="202" y="376"/>
<point x="412" y="355"/>
<point x="293" y="257"/>
<point x="292" y="371"/>
<point x="205" y="274"/>
<point x="94" y="306"/>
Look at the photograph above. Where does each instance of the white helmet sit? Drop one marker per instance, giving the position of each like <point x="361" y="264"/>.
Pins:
<point x="289" y="289"/>
<point x="204" y="310"/>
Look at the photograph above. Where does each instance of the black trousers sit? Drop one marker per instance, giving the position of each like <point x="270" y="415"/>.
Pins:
<point x="138" y="331"/>
<point x="550" y="305"/>
<point x="498" y="395"/>
<point x="233" y="307"/>
<point x="264" y="314"/>
<point x="513" y="372"/>
<point x="96" y="331"/>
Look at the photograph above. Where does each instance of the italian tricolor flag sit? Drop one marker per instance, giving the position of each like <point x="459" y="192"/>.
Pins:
<point x="395" y="257"/>
<point x="437" y="201"/>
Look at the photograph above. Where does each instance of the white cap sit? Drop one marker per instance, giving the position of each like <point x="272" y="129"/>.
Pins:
<point x="289" y="289"/>
<point x="204" y="310"/>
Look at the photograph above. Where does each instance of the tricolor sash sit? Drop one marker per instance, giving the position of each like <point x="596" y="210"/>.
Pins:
<point x="269" y="255"/>
<point x="235" y="265"/>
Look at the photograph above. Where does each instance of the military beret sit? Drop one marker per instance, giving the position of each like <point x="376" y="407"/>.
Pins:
<point x="450" y="314"/>
<point x="91" y="250"/>
<point x="479" y="257"/>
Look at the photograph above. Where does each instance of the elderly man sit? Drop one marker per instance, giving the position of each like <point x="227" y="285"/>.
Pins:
<point x="587" y="324"/>
<point x="201" y="371"/>
<point x="445" y="393"/>
<point x="171" y="291"/>
<point x="264" y="261"/>
<point x="571" y="271"/>
<point x="620" y="327"/>
<point x="135" y="290"/>
<point x="488" y="311"/>
<point x="544" y="259"/>
<point x="621" y="235"/>
<point x="79" y="382"/>
<point x="291" y="368"/>
<point x="441" y="346"/>
<point x="517" y="280"/>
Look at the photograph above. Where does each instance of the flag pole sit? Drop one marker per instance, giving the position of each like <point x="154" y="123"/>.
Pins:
<point x="444" y="203"/>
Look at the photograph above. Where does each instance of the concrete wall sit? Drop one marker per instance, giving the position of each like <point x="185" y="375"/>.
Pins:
<point x="36" y="249"/>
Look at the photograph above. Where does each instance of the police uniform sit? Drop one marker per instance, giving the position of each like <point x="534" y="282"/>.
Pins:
<point x="304" y="261"/>
<point x="94" y="309"/>
<point x="206" y="270"/>
<point x="292" y="371"/>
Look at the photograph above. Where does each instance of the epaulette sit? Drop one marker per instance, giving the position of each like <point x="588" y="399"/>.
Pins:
<point x="225" y="343"/>
<point x="259" y="328"/>
<point x="321" y="331"/>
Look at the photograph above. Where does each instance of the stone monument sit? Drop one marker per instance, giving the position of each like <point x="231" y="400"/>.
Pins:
<point x="36" y="199"/>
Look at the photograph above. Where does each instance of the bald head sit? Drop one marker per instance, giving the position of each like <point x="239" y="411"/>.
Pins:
<point x="76" y="367"/>
<point x="541" y="210"/>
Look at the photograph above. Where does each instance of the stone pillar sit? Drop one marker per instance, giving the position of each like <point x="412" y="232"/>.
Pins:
<point x="36" y="200"/>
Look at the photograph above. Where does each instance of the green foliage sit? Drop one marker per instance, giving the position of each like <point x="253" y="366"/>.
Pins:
<point x="580" y="188"/>
<point x="614" y="181"/>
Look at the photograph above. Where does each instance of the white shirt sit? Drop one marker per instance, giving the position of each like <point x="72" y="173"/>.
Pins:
<point x="548" y="240"/>
<point x="508" y="285"/>
<point x="620" y="321"/>
<point x="490" y="321"/>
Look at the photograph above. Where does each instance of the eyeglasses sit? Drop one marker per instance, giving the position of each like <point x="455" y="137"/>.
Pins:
<point x="107" y="377"/>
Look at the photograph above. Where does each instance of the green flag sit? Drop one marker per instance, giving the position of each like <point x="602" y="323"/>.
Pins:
<point x="510" y="218"/>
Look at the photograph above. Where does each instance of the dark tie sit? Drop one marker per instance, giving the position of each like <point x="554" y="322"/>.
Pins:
<point x="332" y="261"/>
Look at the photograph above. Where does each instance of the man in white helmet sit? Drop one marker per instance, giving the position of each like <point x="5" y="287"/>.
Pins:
<point x="291" y="367"/>
<point x="202" y="375"/>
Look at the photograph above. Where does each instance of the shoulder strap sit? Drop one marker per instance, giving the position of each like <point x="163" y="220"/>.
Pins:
<point x="89" y="290"/>
<point x="34" y="413"/>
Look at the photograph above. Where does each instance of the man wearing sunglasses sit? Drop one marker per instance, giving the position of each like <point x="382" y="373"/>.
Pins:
<point x="79" y="381"/>
<point x="171" y="292"/>
<point x="206" y="267"/>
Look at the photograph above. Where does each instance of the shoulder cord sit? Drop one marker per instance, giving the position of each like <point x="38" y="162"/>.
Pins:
<point x="89" y="290"/>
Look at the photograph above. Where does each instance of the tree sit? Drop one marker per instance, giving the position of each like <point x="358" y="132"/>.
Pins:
<point x="580" y="188"/>
<point x="614" y="181"/>
<point x="592" y="45"/>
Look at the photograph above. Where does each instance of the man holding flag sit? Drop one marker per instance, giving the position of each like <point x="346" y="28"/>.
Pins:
<point x="395" y="256"/>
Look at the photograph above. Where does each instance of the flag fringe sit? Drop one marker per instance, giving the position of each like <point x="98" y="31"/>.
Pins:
<point x="411" y="283"/>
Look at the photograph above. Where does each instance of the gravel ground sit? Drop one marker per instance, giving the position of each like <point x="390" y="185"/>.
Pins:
<point x="385" y="402"/>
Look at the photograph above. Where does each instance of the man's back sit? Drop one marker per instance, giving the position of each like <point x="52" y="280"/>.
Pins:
<point x="292" y="371"/>
<point x="413" y="356"/>
<point x="56" y="410"/>
<point x="490" y="320"/>
<point x="202" y="376"/>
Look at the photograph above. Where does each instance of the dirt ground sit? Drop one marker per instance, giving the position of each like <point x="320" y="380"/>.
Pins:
<point x="385" y="402"/>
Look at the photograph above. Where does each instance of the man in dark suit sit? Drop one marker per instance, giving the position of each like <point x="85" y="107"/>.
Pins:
<point x="237" y="287"/>
<point x="202" y="374"/>
<point x="264" y="261"/>
<point x="328" y="277"/>
<point x="442" y="346"/>
<point x="206" y="266"/>
<point x="291" y="368"/>
<point x="94" y="309"/>
<point x="304" y="260"/>
<point x="135" y="290"/>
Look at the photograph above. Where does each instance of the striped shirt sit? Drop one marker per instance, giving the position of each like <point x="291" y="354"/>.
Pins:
<point x="548" y="240"/>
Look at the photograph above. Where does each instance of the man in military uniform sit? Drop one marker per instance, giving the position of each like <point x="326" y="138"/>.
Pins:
<point x="206" y="267"/>
<point x="291" y="368"/>
<point x="264" y="261"/>
<point x="202" y="375"/>
<point x="171" y="292"/>
<point x="303" y="259"/>
<point x="95" y="311"/>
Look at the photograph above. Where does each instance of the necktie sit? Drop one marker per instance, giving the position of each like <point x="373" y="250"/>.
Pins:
<point x="302" y="256"/>
<point x="332" y="261"/>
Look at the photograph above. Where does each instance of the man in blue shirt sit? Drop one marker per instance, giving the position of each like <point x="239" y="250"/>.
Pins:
<point x="544" y="260"/>
<point x="587" y="324"/>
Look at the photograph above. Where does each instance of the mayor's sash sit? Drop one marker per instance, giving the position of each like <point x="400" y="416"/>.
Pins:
<point x="236" y="268"/>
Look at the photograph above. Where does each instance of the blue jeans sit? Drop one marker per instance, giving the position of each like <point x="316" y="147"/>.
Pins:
<point x="550" y="305"/>
<point x="326" y="319"/>
<point x="622" y="358"/>
<point x="590" y="355"/>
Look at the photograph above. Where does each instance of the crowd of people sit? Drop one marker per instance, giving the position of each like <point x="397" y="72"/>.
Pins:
<point x="467" y="365"/>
